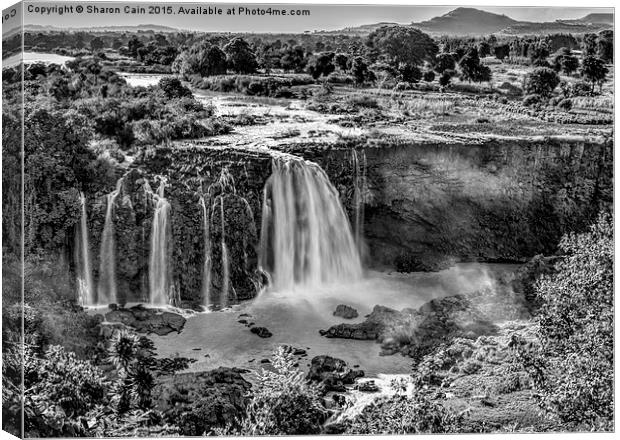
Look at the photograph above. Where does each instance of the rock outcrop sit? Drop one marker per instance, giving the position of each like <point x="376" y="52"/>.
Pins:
<point x="346" y="312"/>
<point x="430" y="204"/>
<point x="332" y="373"/>
<point x="147" y="320"/>
<point x="415" y="332"/>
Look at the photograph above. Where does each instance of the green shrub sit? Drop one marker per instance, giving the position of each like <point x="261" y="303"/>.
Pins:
<point x="405" y="415"/>
<point x="362" y="101"/>
<point x="532" y="99"/>
<point x="284" y="403"/>
<point x="573" y="368"/>
<point x="542" y="81"/>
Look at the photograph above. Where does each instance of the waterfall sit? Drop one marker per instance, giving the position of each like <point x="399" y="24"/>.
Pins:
<point x="359" y="186"/>
<point x="106" y="287"/>
<point x="206" y="276"/>
<point x="306" y="239"/>
<point x="159" y="261"/>
<point x="225" y="262"/>
<point x="86" y="290"/>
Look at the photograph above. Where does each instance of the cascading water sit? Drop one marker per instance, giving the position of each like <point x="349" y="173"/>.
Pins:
<point x="159" y="261"/>
<point x="225" y="262"/>
<point x="106" y="286"/>
<point x="359" y="187"/>
<point x="206" y="276"/>
<point x="86" y="289"/>
<point x="306" y="239"/>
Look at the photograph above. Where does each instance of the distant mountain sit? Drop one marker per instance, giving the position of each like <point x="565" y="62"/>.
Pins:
<point x="138" y="28"/>
<point x="471" y="21"/>
<point x="598" y="19"/>
<point x="466" y="21"/>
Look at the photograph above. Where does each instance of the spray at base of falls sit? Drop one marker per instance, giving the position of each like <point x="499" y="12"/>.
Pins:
<point x="159" y="261"/>
<point x="106" y="286"/>
<point x="306" y="239"/>
<point x="85" y="285"/>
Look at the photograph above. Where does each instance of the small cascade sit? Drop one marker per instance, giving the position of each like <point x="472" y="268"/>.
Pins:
<point x="359" y="188"/>
<point x="86" y="288"/>
<point x="306" y="239"/>
<point x="206" y="276"/>
<point x="159" y="261"/>
<point x="225" y="262"/>
<point x="106" y="287"/>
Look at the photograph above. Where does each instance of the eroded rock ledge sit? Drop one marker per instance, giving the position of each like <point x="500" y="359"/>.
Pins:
<point x="146" y="320"/>
<point x="415" y="332"/>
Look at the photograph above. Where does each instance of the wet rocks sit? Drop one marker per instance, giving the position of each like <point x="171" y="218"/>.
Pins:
<point x="370" y="329"/>
<point x="295" y="351"/>
<point x="262" y="332"/>
<point x="145" y="320"/>
<point x="415" y="332"/>
<point x="332" y="373"/>
<point x="368" y="386"/>
<point x="346" y="312"/>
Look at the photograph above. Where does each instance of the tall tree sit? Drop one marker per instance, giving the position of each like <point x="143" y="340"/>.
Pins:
<point x="240" y="56"/>
<point x="401" y="44"/>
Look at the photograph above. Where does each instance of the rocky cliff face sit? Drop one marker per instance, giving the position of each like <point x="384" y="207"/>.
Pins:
<point x="424" y="206"/>
<point x="428" y="205"/>
<point x="191" y="173"/>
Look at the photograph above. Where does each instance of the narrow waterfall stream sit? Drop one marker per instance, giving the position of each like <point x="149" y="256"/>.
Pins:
<point x="206" y="275"/>
<point x="306" y="239"/>
<point x="86" y="289"/>
<point x="106" y="287"/>
<point x="159" y="261"/>
<point x="359" y="188"/>
<point x="225" y="262"/>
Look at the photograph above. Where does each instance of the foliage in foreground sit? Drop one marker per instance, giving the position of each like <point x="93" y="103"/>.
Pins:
<point x="402" y="414"/>
<point x="573" y="368"/>
<point x="283" y="403"/>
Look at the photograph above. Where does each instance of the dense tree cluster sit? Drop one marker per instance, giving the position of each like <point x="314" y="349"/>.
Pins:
<point x="573" y="367"/>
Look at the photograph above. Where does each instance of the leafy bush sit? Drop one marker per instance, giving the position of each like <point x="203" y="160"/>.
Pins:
<point x="284" y="403"/>
<point x="542" y="81"/>
<point x="362" y="101"/>
<point x="60" y="389"/>
<point x="405" y="415"/>
<point x="472" y="69"/>
<point x="173" y="88"/>
<point x="532" y="99"/>
<point x="573" y="368"/>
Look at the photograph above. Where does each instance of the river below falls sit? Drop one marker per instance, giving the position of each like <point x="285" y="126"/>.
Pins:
<point x="217" y="339"/>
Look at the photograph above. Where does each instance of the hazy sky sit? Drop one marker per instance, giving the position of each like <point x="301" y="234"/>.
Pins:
<point x="322" y="16"/>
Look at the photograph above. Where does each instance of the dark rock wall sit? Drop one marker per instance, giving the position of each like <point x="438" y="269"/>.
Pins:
<point x="190" y="172"/>
<point x="503" y="200"/>
<point x="426" y="205"/>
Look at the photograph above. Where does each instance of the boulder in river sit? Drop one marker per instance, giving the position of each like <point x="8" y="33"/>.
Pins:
<point x="346" y="312"/>
<point x="332" y="373"/>
<point x="262" y="332"/>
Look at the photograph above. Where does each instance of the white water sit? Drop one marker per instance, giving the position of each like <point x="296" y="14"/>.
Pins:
<point x="159" y="261"/>
<point x="106" y="286"/>
<point x="86" y="289"/>
<point x="306" y="239"/>
<point x="206" y="275"/>
<point x="359" y="188"/>
<point x="225" y="261"/>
